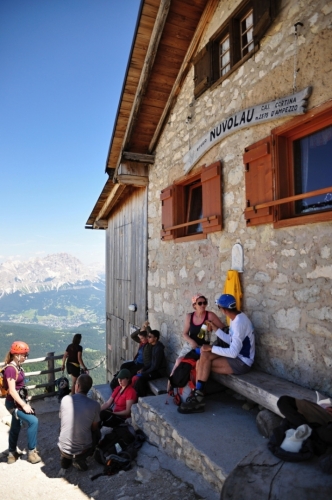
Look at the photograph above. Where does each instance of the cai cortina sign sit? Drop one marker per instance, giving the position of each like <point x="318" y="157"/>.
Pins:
<point x="294" y="104"/>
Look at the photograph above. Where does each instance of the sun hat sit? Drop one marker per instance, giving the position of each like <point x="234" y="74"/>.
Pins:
<point x="196" y="297"/>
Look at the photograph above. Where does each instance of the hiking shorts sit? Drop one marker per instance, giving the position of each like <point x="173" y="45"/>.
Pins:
<point x="238" y="366"/>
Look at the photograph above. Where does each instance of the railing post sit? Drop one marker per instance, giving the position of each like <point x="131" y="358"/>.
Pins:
<point x="50" y="366"/>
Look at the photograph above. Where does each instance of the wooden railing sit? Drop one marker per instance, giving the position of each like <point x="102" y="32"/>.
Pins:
<point x="51" y="370"/>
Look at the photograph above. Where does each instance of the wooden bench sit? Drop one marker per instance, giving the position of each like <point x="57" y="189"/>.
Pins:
<point x="158" y="386"/>
<point x="263" y="388"/>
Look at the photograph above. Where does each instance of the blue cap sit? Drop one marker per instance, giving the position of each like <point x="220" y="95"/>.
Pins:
<point x="227" y="301"/>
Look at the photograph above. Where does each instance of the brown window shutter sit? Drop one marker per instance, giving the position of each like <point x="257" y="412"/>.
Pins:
<point x="212" y="197"/>
<point x="259" y="181"/>
<point x="167" y="213"/>
<point x="202" y="65"/>
<point x="264" y="13"/>
<point x="234" y="29"/>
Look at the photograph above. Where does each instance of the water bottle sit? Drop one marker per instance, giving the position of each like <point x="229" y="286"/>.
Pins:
<point x="202" y="332"/>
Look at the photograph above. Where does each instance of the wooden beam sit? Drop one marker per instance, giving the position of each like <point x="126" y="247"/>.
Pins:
<point x="206" y="17"/>
<point x="147" y="67"/>
<point x="133" y="173"/>
<point x="111" y="201"/>
<point x="142" y="158"/>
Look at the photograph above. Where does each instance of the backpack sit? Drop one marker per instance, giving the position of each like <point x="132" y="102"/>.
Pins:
<point x="116" y="442"/>
<point x="183" y="373"/>
<point x="62" y="384"/>
<point x="3" y="389"/>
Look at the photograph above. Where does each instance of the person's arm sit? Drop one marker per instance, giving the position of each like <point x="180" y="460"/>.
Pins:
<point x="215" y="321"/>
<point x="65" y="356"/>
<point x="80" y="360"/>
<point x="127" y="411"/>
<point x="235" y="346"/>
<point x="185" y="332"/>
<point x="16" y="397"/>
<point x="108" y="403"/>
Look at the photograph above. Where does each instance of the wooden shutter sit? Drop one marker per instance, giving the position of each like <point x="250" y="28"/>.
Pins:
<point x="235" y="40"/>
<point x="259" y="181"/>
<point x="211" y="194"/>
<point x="202" y="65"/>
<point x="167" y="213"/>
<point x="264" y="13"/>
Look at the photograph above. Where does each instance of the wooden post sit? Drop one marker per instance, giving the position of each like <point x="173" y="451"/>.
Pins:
<point x="50" y="366"/>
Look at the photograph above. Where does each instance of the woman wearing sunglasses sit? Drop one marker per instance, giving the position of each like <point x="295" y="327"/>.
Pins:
<point x="16" y="402"/>
<point x="194" y="322"/>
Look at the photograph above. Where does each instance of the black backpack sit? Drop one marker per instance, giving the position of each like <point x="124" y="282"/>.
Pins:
<point x="181" y="374"/>
<point x="123" y="436"/>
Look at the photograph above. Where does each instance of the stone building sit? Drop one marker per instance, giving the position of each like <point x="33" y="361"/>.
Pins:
<point x="227" y="105"/>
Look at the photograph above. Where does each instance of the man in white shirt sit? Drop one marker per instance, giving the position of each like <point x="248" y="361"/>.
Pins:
<point x="79" y="425"/>
<point x="234" y="354"/>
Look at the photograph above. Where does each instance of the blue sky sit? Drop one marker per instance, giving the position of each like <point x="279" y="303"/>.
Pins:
<point x="62" y="67"/>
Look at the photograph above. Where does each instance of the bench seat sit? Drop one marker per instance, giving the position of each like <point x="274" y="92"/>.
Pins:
<point x="158" y="386"/>
<point x="263" y="388"/>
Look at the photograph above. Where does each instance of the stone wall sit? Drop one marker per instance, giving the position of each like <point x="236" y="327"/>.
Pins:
<point x="287" y="274"/>
<point x="163" y="435"/>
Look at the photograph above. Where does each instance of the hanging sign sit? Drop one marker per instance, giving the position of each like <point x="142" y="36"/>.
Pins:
<point x="294" y="104"/>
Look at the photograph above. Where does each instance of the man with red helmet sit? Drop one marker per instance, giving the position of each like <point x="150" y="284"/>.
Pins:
<point x="16" y="402"/>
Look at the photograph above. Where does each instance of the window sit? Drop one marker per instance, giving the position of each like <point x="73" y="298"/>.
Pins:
<point x="192" y="206"/>
<point x="233" y="43"/>
<point x="297" y="187"/>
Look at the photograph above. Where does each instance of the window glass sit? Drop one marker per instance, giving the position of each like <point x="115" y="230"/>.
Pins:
<point x="195" y="207"/>
<point x="225" y="65"/>
<point x="313" y="170"/>
<point x="247" y="30"/>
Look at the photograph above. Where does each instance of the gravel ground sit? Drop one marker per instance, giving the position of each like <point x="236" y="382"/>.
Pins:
<point x="153" y="474"/>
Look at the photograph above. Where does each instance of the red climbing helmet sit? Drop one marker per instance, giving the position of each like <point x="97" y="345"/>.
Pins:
<point x="19" y="347"/>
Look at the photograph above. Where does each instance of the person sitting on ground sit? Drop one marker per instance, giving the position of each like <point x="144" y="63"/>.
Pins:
<point x="235" y="357"/>
<point x="79" y="432"/>
<point x="144" y="353"/>
<point x="119" y="404"/>
<point x="156" y="369"/>
<point x="17" y="403"/>
<point x="192" y="326"/>
<point x="73" y="355"/>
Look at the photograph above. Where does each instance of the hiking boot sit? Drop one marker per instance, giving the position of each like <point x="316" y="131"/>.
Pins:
<point x="194" y="404"/>
<point x="12" y="457"/>
<point x="80" y="465"/>
<point x="33" y="457"/>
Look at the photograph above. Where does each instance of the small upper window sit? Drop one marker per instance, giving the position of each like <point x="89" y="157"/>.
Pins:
<point x="234" y="42"/>
<point x="225" y="59"/>
<point x="247" y="32"/>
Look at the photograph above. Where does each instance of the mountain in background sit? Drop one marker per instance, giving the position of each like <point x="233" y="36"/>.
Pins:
<point x="57" y="291"/>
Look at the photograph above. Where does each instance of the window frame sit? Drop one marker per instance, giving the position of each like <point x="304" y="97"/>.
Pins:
<point x="175" y="205"/>
<point x="207" y="61"/>
<point x="283" y="138"/>
<point x="269" y="173"/>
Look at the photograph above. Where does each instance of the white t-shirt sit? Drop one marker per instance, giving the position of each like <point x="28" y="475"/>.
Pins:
<point x="77" y="413"/>
<point x="241" y="340"/>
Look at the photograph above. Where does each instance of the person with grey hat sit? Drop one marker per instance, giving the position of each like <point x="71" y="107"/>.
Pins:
<point x="233" y="354"/>
<point x="118" y="407"/>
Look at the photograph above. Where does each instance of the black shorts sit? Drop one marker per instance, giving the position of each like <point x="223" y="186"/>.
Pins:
<point x="73" y="370"/>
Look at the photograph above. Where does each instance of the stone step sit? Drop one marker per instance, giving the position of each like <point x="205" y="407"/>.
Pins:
<point x="210" y="443"/>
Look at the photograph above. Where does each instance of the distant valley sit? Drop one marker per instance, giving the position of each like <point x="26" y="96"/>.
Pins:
<point x="44" y="301"/>
<point x="56" y="291"/>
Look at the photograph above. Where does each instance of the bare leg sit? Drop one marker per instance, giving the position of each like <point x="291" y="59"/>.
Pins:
<point x="177" y="362"/>
<point x="210" y="362"/>
<point x="73" y="383"/>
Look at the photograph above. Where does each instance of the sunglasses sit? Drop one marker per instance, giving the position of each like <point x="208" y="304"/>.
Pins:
<point x="25" y="355"/>
<point x="204" y="303"/>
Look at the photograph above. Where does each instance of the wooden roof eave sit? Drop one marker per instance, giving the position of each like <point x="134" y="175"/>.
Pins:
<point x="106" y="201"/>
<point x="146" y="71"/>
